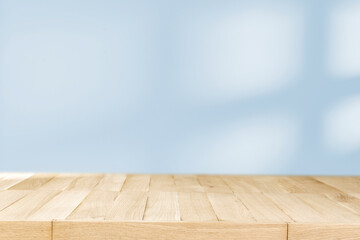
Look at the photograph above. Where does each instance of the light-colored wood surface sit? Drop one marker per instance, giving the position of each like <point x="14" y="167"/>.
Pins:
<point x="167" y="231"/>
<point x="149" y="207"/>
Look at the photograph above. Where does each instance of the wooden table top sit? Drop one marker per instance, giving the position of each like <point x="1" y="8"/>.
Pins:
<point x="177" y="207"/>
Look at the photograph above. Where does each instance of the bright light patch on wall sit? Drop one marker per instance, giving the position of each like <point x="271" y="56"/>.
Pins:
<point x="242" y="53"/>
<point x="344" y="41"/>
<point x="251" y="146"/>
<point x="342" y="126"/>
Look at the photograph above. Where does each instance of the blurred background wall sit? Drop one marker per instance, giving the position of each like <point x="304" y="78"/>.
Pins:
<point x="265" y="87"/>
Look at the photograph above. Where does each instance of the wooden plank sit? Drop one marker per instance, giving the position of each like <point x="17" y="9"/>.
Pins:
<point x="10" y="179"/>
<point x="136" y="183"/>
<point x="330" y="210"/>
<point x="128" y="206"/>
<point x="9" y="197"/>
<point x="187" y="183"/>
<point x="316" y="231"/>
<point x="268" y="184"/>
<point x="59" y="207"/>
<point x="295" y="208"/>
<point x="345" y="184"/>
<point x="95" y="207"/>
<point x="85" y="182"/>
<point x="213" y="184"/>
<point x="357" y="195"/>
<point x="241" y="184"/>
<point x="351" y="202"/>
<point x="262" y="208"/>
<point x="23" y="208"/>
<point x="167" y="231"/>
<point x="25" y="230"/>
<point x="162" y="206"/>
<point x="33" y="182"/>
<point x="59" y="182"/>
<point x="290" y="186"/>
<point x="254" y="184"/>
<point x="195" y="207"/>
<point x="111" y="182"/>
<point x="164" y="183"/>
<point x="228" y="208"/>
<point x="311" y="185"/>
<point x="178" y="207"/>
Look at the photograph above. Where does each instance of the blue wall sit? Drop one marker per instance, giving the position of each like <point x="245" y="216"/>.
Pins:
<point x="180" y="86"/>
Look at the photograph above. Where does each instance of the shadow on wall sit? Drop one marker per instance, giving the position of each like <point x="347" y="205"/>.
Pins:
<point x="299" y="64"/>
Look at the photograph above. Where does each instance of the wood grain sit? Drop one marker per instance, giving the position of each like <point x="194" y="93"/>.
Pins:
<point x="60" y="206"/>
<point x="111" y="182"/>
<point x="10" y="179"/>
<point x="95" y="207"/>
<point x="315" y="231"/>
<point x="9" y="197"/>
<point x="128" y="206"/>
<point x="196" y="207"/>
<point x="23" y="208"/>
<point x="187" y="183"/>
<point x="59" y="182"/>
<point x="135" y="183"/>
<point x="262" y="208"/>
<point x="162" y="183"/>
<point x="162" y="206"/>
<point x="85" y="182"/>
<point x="25" y="230"/>
<point x="166" y="231"/>
<point x="151" y="207"/>
<point x="228" y="208"/>
<point x="33" y="182"/>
